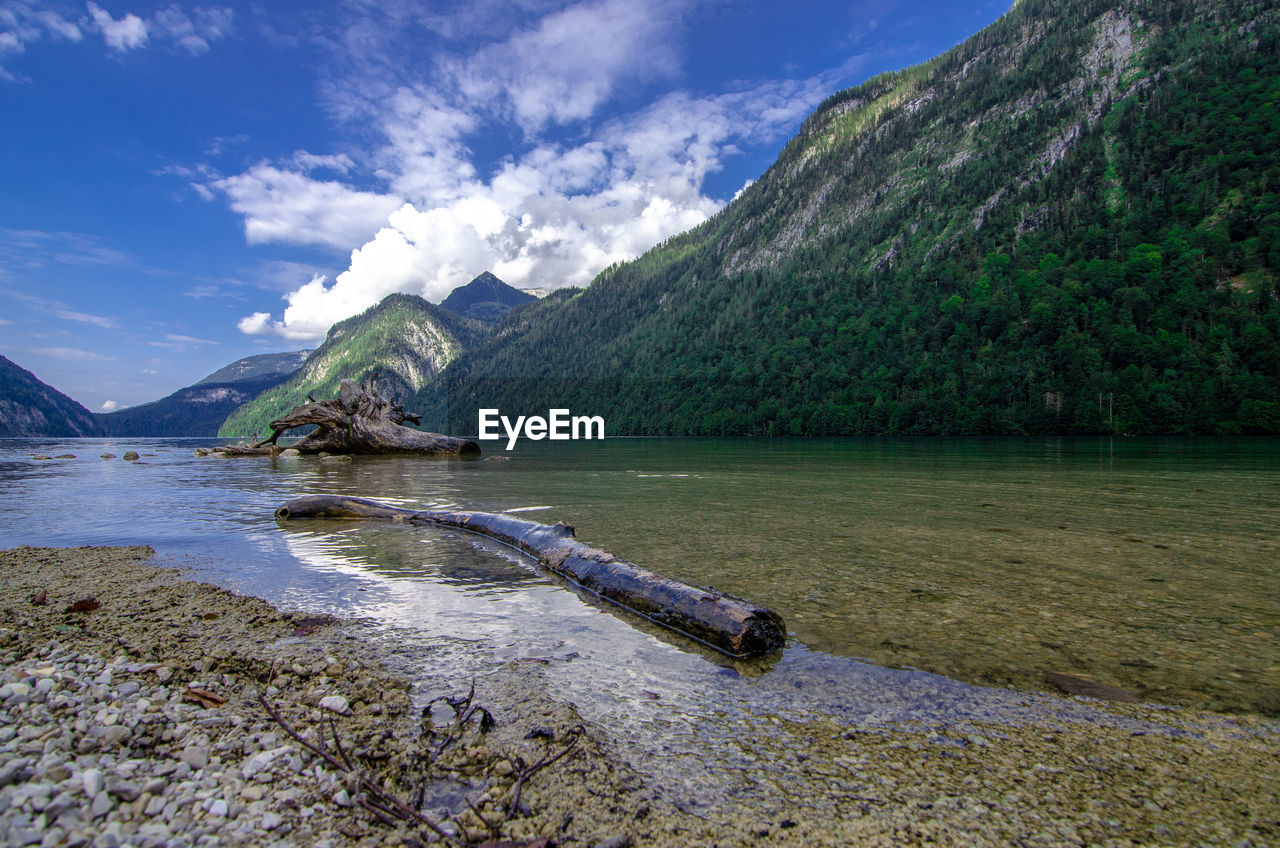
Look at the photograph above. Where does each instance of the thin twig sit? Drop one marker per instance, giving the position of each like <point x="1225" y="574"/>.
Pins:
<point x="537" y="767"/>
<point x="394" y="805"/>
<point x="495" y="830"/>
<point x="338" y="744"/>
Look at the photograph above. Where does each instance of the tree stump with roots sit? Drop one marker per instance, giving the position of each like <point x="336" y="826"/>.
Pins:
<point x="358" y="421"/>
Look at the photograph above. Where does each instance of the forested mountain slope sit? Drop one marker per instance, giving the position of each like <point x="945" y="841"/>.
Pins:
<point x="485" y="298"/>
<point x="1069" y="223"/>
<point x="29" y="407"/>
<point x="407" y="340"/>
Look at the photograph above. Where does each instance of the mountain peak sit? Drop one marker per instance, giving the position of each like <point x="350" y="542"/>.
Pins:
<point x="486" y="298"/>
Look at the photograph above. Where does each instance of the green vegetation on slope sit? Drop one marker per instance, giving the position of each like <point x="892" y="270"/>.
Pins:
<point x="1070" y="223"/>
<point x="407" y="340"/>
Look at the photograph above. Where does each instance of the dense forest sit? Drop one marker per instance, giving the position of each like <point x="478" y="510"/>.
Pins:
<point x="1069" y="223"/>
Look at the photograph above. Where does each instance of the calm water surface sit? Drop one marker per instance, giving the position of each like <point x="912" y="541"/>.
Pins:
<point x="1147" y="564"/>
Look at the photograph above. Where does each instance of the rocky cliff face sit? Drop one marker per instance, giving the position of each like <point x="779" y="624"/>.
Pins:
<point x="256" y="369"/>
<point x="407" y="340"/>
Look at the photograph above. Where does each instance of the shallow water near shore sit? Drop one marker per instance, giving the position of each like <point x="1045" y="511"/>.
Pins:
<point x="1145" y="564"/>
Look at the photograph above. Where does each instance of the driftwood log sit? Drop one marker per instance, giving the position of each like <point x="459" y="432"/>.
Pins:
<point x="733" y="626"/>
<point x="358" y="421"/>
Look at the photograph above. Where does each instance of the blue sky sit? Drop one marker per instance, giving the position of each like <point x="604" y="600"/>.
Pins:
<point x="186" y="185"/>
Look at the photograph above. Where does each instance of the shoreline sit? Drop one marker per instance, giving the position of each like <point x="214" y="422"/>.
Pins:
<point x="110" y="745"/>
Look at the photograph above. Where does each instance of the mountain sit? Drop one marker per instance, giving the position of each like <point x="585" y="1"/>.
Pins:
<point x="486" y="298"/>
<point x="407" y="340"/>
<point x="28" y="407"/>
<point x="200" y="409"/>
<point x="257" y="368"/>
<point x="1070" y="223"/>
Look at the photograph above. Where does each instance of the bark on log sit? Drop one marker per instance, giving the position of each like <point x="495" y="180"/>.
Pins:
<point x="358" y="421"/>
<point x="733" y="626"/>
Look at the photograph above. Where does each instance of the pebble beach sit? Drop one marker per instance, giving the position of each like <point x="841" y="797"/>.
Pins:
<point x="138" y="707"/>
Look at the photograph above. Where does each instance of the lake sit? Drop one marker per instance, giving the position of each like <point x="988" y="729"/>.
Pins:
<point x="1145" y="564"/>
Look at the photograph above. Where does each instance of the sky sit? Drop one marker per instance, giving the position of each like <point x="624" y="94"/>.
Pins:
<point x="185" y="185"/>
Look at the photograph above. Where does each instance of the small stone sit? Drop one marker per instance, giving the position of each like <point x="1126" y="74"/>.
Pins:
<point x="270" y="821"/>
<point x="196" y="756"/>
<point x="12" y="772"/>
<point x="290" y="453"/>
<point x="216" y="807"/>
<point x="101" y="805"/>
<point x="163" y="673"/>
<point x="131" y="456"/>
<point x="92" y="781"/>
<point x="262" y="761"/>
<point x="125" y="790"/>
<point x="108" y="456"/>
<point x="503" y="768"/>
<point x="59" y="805"/>
<point x="341" y="798"/>
<point x="336" y="704"/>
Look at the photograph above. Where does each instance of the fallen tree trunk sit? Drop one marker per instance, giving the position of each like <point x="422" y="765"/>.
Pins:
<point x="358" y="421"/>
<point x="733" y="626"/>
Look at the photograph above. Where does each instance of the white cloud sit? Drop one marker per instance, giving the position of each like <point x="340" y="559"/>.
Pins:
<point x="128" y="33"/>
<point x="71" y="353"/>
<point x="102" y="321"/>
<point x="193" y="32"/>
<point x="567" y="66"/>
<point x="258" y="322"/>
<point x="287" y="206"/>
<point x="557" y="211"/>
<point x="109" y="406"/>
<point x="60" y="310"/>
<point x="23" y="23"/>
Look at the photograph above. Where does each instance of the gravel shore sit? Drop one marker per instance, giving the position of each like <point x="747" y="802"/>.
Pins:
<point x="164" y="713"/>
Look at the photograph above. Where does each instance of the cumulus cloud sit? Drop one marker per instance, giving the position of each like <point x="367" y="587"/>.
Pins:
<point x="127" y="33"/>
<point x="581" y="191"/>
<point x="288" y="206"/>
<point x="109" y="406"/>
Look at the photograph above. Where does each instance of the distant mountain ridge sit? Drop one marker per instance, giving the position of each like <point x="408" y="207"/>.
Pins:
<point x="200" y="409"/>
<point x="404" y="338"/>
<point x="1067" y="224"/>
<point x="485" y="298"/>
<point x="257" y="368"/>
<point x="29" y="407"/>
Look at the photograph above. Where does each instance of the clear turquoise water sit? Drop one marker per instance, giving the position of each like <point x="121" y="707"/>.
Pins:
<point x="1142" y="563"/>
